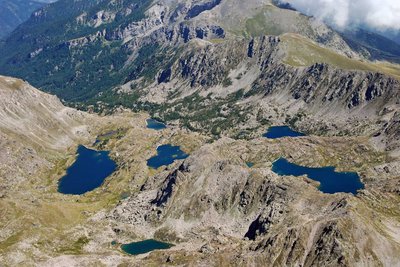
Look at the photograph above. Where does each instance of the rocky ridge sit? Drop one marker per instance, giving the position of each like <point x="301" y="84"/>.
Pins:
<point x="214" y="202"/>
<point x="157" y="56"/>
<point x="128" y="30"/>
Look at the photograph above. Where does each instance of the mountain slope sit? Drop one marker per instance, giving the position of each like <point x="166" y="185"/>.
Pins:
<point x="79" y="49"/>
<point x="182" y="61"/>
<point x="54" y="31"/>
<point x="41" y="121"/>
<point x="224" y="68"/>
<point x="378" y="47"/>
<point x="15" y="12"/>
<point x="151" y="56"/>
<point x="212" y="206"/>
<point x="35" y="127"/>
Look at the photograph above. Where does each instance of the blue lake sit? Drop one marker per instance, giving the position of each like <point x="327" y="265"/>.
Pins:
<point x="166" y="154"/>
<point x="87" y="173"/>
<point x="145" y="246"/>
<point x="330" y="181"/>
<point x="281" y="131"/>
<point x="155" y="124"/>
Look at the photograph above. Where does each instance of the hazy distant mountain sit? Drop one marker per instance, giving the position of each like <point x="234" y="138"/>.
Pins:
<point x="393" y="35"/>
<point x="376" y="45"/>
<point x="14" y="12"/>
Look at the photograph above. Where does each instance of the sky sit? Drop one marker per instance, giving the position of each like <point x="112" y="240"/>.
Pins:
<point x="380" y="15"/>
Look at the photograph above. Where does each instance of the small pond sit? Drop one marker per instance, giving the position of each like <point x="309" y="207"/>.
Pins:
<point x="330" y="181"/>
<point x="155" y="124"/>
<point x="250" y="164"/>
<point x="103" y="137"/>
<point x="166" y="155"/>
<point x="144" y="246"/>
<point x="88" y="172"/>
<point x="281" y="131"/>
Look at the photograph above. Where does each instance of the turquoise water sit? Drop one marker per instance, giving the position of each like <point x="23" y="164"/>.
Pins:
<point x="145" y="246"/>
<point x="330" y="180"/>
<point x="155" y="124"/>
<point x="250" y="164"/>
<point x="166" y="155"/>
<point x="87" y="173"/>
<point x="281" y="131"/>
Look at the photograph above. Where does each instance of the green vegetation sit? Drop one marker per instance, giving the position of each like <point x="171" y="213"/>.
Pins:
<point x="291" y="121"/>
<point x="150" y="60"/>
<point x="76" y="72"/>
<point x="227" y="82"/>
<point x="259" y="25"/>
<point x="73" y="60"/>
<point x="13" y="239"/>
<point x="76" y="247"/>
<point x="13" y="13"/>
<point x="275" y="21"/>
<point x="117" y="134"/>
<point x="214" y="116"/>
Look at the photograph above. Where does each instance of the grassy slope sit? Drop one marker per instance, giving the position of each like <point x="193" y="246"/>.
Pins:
<point x="275" y="21"/>
<point x="303" y="52"/>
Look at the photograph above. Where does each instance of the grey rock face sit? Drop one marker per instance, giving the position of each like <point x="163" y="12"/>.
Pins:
<point x="280" y="220"/>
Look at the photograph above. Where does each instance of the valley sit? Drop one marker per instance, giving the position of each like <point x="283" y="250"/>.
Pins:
<point x="224" y="217"/>
<point x="34" y="214"/>
<point x="199" y="133"/>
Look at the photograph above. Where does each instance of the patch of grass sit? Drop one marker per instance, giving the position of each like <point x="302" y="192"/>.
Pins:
<point x="117" y="134"/>
<point x="260" y="25"/>
<point x="166" y="234"/>
<point x="227" y="82"/>
<point x="217" y="41"/>
<point x="76" y="247"/>
<point x="11" y="240"/>
<point x="291" y="121"/>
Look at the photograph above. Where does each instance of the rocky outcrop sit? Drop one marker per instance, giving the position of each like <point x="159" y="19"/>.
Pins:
<point x="256" y="68"/>
<point x="275" y="220"/>
<point x="319" y="84"/>
<point x="205" y="69"/>
<point x="328" y="249"/>
<point x="270" y="216"/>
<point x="198" y="9"/>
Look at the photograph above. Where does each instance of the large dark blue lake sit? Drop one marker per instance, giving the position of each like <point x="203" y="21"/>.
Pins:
<point x="155" y="124"/>
<point x="166" y="154"/>
<point x="87" y="173"/>
<point x="281" y="131"/>
<point x="145" y="246"/>
<point x="330" y="181"/>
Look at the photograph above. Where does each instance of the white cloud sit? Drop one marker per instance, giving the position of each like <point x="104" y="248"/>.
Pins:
<point x="376" y="14"/>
